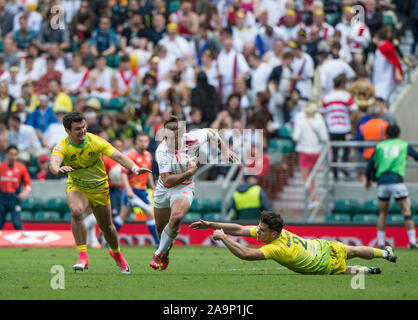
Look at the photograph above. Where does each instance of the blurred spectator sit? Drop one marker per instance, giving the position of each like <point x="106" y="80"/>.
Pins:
<point x="82" y="23"/>
<point x="104" y="39"/>
<point x="34" y="18"/>
<point x="9" y="54"/>
<point x="29" y="73"/>
<point x="48" y="34"/>
<point x="414" y="27"/>
<point x="23" y="136"/>
<point x="4" y="144"/>
<point x="337" y="107"/>
<point x="158" y="29"/>
<point x="331" y="68"/>
<point x="176" y="44"/>
<point x="43" y="172"/>
<point x="186" y="19"/>
<point x="60" y="98"/>
<point x="249" y="195"/>
<point x="205" y="97"/>
<point x="6" y="19"/>
<point x="303" y="71"/>
<point x="126" y="76"/>
<point x="100" y="79"/>
<point x="387" y="68"/>
<point x="55" y="131"/>
<point x="6" y="100"/>
<point x="203" y="41"/>
<point x="196" y="120"/>
<point x="75" y="79"/>
<point x="373" y="129"/>
<point x="15" y="87"/>
<point x="134" y="29"/>
<point x="374" y="17"/>
<point x="42" y="86"/>
<point x="260" y="72"/>
<point x="13" y="174"/>
<point x="42" y="117"/>
<point x="87" y="58"/>
<point x="325" y="29"/>
<point x="273" y="57"/>
<point x="24" y="36"/>
<point x="310" y="134"/>
<point x="230" y="65"/>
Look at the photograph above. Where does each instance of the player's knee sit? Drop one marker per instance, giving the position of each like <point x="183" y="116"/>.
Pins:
<point x="77" y="213"/>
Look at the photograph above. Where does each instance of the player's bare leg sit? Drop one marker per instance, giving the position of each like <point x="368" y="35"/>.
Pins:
<point x="78" y="203"/>
<point x="381" y="223"/>
<point x="405" y="206"/>
<point x="368" y="253"/>
<point x="178" y="210"/>
<point x="103" y="216"/>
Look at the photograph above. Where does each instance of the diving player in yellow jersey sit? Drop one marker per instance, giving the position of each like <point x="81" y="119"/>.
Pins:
<point x="317" y="256"/>
<point x="87" y="184"/>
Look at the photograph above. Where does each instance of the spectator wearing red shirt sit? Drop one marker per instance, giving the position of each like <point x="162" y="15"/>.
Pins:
<point x="12" y="175"/>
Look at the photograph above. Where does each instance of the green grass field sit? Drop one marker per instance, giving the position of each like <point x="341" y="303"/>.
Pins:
<point x="194" y="273"/>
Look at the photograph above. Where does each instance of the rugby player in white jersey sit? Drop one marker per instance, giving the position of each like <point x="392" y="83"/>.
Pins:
<point x="174" y="192"/>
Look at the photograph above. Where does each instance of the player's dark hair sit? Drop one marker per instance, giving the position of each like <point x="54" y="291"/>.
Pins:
<point x="172" y="123"/>
<point x="393" y="131"/>
<point x="273" y="220"/>
<point x="11" y="148"/>
<point x="72" y="117"/>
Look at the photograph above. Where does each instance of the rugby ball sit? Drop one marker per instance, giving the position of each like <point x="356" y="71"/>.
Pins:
<point x="179" y="163"/>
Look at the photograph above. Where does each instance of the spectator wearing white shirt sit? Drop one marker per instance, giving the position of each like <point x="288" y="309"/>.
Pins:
<point x="338" y="106"/>
<point x="22" y="135"/>
<point x="302" y="71"/>
<point x="240" y="32"/>
<point x="291" y="27"/>
<point x="55" y="132"/>
<point x="230" y="65"/>
<point x="260" y="73"/>
<point x="331" y="68"/>
<point x="310" y="135"/>
<point x="176" y="44"/>
<point x="100" y="79"/>
<point x="15" y="87"/>
<point x="273" y="58"/>
<point x="75" y="79"/>
<point x="28" y="72"/>
<point x="318" y="18"/>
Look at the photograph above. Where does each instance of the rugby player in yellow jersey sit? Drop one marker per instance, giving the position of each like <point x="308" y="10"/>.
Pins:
<point x="87" y="184"/>
<point x="317" y="256"/>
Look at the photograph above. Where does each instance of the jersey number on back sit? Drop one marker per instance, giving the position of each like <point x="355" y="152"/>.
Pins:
<point x="392" y="152"/>
<point x="296" y="240"/>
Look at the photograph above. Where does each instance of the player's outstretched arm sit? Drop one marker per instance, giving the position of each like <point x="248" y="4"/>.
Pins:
<point x="232" y="229"/>
<point x="55" y="166"/>
<point x="238" y="249"/>
<point x="127" y="163"/>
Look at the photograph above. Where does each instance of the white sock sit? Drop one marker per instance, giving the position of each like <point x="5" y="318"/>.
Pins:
<point x="91" y="235"/>
<point x="380" y="238"/>
<point x="167" y="239"/>
<point x="119" y="220"/>
<point x="412" y="237"/>
<point x="90" y="221"/>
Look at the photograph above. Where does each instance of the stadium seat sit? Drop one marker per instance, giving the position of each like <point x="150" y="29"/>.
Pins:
<point x="332" y="17"/>
<point x="217" y="205"/>
<point x="57" y="204"/>
<point x="26" y="216"/>
<point x="47" y="215"/>
<point x="192" y="217"/>
<point x="1" y="45"/>
<point x="32" y="204"/>
<point x="338" y="218"/>
<point x="249" y="214"/>
<point x="365" y="219"/>
<point x="67" y="216"/>
<point x="349" y="206"/>
<point x="395" y="219"/>
<point x="284" y="146"/>
<point x="201" y="205"/>
<point x="415" y="218"/>
<point x="117" y="104"/>
<point x="370" y="207"/>
<point x="102" y="101"/>
<point x="113" y="61"/>
<point x="215" y="216"/>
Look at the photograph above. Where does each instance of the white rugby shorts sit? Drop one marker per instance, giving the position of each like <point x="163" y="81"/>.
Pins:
<point x="164" y="198"/>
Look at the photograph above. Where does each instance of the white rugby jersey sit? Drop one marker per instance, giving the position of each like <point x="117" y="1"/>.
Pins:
<point x="190" y="144"/>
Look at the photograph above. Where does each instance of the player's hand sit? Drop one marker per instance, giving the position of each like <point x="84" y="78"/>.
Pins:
<point x="192" y="166"/>
<point x="218" y="234"/>
<point x="65" y="170"/>
<point x="138" y="171"/>
<point x="129" y="193"/>
<point x="201" y="224"/>
<point x="231" y="156"/>
<point x="368" y="185"/>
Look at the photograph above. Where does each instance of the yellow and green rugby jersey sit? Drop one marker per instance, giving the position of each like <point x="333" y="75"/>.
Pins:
<point x="298" y="254"/>
<point x="86" y="158"/>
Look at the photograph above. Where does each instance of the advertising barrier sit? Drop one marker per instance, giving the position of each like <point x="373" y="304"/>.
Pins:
<point x="60" y="235"/>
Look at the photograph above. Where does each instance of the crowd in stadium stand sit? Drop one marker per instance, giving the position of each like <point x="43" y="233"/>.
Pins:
<point x="227" y="64"/>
